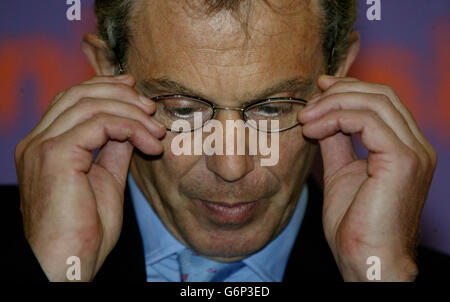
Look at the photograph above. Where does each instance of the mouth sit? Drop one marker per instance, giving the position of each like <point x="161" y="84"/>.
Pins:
<point x="227" y="213"/>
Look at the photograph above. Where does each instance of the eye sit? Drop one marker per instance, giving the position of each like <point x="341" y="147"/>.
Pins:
<point x="271" y="110"/>
<point x="182" y="112"/>
<point x="178" y="108"/>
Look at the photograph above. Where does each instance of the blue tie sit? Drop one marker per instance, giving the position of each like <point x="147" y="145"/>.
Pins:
<point x="195" y="268"/>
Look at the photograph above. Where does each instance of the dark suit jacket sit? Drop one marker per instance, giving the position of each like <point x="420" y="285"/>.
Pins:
<point x="310" y="259"/>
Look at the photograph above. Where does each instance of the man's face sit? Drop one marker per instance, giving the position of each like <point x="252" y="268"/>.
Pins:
<point x="228" y="63"/>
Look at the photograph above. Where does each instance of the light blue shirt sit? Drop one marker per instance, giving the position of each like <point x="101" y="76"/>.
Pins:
<point x="161" y="248"/>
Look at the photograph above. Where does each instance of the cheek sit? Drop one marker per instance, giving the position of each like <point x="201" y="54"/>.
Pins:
<point x="174" y="166"/>
<point x="296" y="154"/>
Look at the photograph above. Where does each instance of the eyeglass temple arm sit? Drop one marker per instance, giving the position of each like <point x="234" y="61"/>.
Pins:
<point x="121" y="69"/>
<point x="330" y="60"/>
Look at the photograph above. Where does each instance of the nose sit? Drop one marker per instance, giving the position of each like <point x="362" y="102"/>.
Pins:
<point x="230" y="168"/>
<point x="233" y="167"/>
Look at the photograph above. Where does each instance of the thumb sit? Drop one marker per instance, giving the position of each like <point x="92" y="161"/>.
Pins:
<point x="337" y="152"/>
<point x="115" y="157"/>
<point x="326" y="81"/>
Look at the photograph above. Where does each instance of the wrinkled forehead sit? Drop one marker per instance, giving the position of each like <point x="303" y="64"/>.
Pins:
<point x="261" y="35"/>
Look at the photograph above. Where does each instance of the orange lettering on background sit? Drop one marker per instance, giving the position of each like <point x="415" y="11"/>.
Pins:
<point x="393" y="67"/>
<point x="442" y="46"/>
<point x="9" y="88"/>
<point x="45" y="62"/>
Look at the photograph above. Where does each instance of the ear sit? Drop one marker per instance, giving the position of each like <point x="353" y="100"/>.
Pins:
<point x="99" y="55"/>
<point x="352" y="52"/>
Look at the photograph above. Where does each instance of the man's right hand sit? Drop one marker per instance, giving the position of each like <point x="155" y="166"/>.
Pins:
<point x="72" y="206"/>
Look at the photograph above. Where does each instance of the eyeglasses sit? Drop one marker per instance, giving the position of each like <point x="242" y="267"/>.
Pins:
<point x="259" y="115"/>
<point x="284" y="110"/>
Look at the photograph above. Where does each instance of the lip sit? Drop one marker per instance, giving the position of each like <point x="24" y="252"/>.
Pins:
<point x="225" y="213"/>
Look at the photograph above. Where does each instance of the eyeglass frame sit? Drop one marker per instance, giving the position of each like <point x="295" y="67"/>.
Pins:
<point x="242" y="109"/>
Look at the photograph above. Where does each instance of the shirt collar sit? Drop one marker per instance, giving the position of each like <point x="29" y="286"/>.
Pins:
<point x="158" y="242"/>
<point x="269" y="263"/>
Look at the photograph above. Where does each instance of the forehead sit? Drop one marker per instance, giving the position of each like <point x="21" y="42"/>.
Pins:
<point x="268" y="40"/>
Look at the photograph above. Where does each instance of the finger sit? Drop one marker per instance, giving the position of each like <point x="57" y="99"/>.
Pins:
<point x="125" y="79"/>
<point x="337" y="152"/>
<point x="69" y="97"/>
<point x="324" y="82"/>
<point x="73" y="148"/>
<point x="376" y="135"/>
<point x="118" y="91"/>
<point x="116" y="157"/>
<point x="339" y="85"/>
<point x="378" y="103"/>
<point x="88" y="107"/>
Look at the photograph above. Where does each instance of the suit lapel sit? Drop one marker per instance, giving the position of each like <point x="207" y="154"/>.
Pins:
<point x="311" y="257"/>
<point x="126" y="261"/>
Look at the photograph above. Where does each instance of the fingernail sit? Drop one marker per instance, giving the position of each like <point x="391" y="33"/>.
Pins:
<point x="158" y="123"/>
<point x="122" y="76"/>
<point x="313" y="101"/>
<point x="307" y="110"/>
<point x="145" y="100"/>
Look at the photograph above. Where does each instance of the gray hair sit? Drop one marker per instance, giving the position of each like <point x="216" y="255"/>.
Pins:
<point x="339" y="17"/>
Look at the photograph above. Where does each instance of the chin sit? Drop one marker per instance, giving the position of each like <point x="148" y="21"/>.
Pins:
<point x="229" y="241"/>
<point x="230" y="229"/>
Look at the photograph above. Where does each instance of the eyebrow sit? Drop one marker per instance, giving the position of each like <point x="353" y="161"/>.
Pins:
<point x="164" y="84"/>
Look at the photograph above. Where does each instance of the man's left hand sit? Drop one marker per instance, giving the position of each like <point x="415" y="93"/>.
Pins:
<point x="372" y="207"/>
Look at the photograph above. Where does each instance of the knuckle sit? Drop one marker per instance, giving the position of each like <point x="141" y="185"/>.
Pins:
<point x="100" y="118"/>
<point x="18" y="150"/>
<point x="58" y="97"/>
<point x="424" y="157"/>
<point x="383" y="102"/>
<point x="383" y="99"/>
<point x="74" y="91"/>
<point x="26" y="157"/>
<point x="87" y="104"/>
<point x="122" y="90"/>
<point x="433" y="156"/>
<point x="372" y="115"/>
<point x="387" y="89"/>
<point x="340" y="86"/>
<point x="48" y="147"/>
<point x="29" y="151"/>
<point x="30" y="157"/>
<point x="429" y="155"/>
<point x="411" y="161"/>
